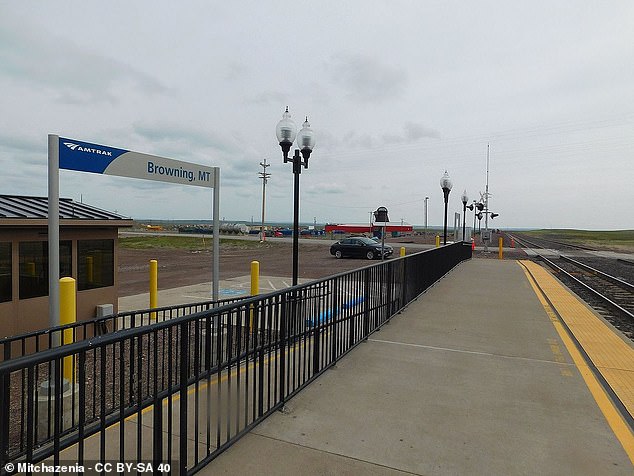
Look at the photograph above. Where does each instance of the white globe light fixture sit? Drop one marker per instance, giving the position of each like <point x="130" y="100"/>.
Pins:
<point x="464" y="199"/>
<point x="286" y="132"/>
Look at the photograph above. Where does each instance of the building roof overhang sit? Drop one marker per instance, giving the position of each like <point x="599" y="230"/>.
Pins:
<point x="23" y="211"/>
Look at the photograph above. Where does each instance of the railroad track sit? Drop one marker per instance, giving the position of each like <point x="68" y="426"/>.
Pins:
<point x="612" y="297"/>
<point x="542" y="243"/>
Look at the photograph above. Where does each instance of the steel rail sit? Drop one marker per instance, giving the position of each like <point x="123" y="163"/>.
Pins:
<point x="593" y="291"/>
<point x="523" y="242"/>
<point x="560" y="243"/>
<point x="608" y="277"/>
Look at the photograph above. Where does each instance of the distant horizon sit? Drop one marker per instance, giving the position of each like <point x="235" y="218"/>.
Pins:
<point x="305" y="224"/>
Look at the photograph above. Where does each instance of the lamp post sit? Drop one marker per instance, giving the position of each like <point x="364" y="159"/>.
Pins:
<point x="445" y="184"/>
<point x="473" y="208"/>
<point x="464" y="199"/>
<point x="286" y="132"/>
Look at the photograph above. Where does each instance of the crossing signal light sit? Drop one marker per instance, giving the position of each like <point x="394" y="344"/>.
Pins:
<point x="480" y="206"/>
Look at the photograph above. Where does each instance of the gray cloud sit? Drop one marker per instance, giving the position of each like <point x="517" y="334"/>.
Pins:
<point x="326" y="188"/>
<point x="26" y="145"/>
<point x="174" y="136"/>
<point x="415" y="131"/>
<point x="412" y="132"/>
<point x="229" y="153"/>
<point x="269" y="97"/>
<point x="366" y="79"/>
<point x="74" y="74"/>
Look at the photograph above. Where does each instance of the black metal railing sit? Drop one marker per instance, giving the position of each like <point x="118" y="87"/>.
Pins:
<point x="181" y="390"/>
<point x="41" y="339"/>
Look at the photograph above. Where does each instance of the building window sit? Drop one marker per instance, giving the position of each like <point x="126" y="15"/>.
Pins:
<point x="5" y="272"/>
<point x="34" y="266"/>
<point x="95" y="264"/>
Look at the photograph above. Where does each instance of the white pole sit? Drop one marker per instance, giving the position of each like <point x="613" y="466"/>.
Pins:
<point x="53" y="234"/>
<point x="486" y="195"/>
<point x="216" y="237"/>
<point x="426" y="198"/>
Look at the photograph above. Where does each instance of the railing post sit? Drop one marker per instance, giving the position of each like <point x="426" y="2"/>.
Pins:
<point x="153" y="287"/>
<point x="366" y="302"/>
<point x="183" y="377"/>
<point x="334" y="355"/>
<point x="157" y="432"/>
<point x="4" y="416"/>
<point x="353" y="327"/>
<point x="403" y="284"/>
<point x="316" y="334"/>
<point x="283" y="346"/>
<point x="390" y="290"/>
<point x="261" y="363"/>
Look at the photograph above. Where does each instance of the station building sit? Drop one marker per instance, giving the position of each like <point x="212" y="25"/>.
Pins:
<point x="88" y="252"/>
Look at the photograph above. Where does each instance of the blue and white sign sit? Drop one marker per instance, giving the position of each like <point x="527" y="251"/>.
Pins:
<point x="102" y="159"/>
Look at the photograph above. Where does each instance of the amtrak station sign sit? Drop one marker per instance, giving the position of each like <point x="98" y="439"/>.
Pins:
<point x="102" y="159"/>
<point x="73" y="154"/>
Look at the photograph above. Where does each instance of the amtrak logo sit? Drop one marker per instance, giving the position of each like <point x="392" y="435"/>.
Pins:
<point x="77" y="147"/>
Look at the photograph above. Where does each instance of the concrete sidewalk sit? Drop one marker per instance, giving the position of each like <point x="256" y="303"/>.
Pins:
<point x="228" y="288"/>
<point x="471" y="378"/>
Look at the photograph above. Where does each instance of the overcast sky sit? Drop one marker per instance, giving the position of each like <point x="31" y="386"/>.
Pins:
<point x="396" y="93"/>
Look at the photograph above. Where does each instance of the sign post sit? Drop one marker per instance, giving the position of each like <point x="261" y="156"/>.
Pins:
<point x="72" y="154"/>
<point x="53" y="235"/>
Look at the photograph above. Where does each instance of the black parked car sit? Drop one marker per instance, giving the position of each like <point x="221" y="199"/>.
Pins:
<point x="359" y="247"/>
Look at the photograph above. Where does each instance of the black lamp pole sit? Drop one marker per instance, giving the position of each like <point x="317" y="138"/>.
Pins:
<point x="464" y="199"/>
<point x="474" y="209"/>
<point x="445" y="191"/>
<point x="464" y="216"/>
<point x="297" y="170"/>
<point x="286" y="133"/>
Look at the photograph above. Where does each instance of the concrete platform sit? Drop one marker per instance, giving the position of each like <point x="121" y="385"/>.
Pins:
<point x="472" y="378"/>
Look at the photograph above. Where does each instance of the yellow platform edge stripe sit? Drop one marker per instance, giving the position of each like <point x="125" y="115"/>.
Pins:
<point x="613" y="417"/>
<point x="608" y="351"/>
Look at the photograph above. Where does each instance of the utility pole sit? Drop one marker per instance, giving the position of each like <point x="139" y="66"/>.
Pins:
<point x="426" y="198"/>
<point x="264" y="175"/>
<point x="486" y="195"/>
<point x="486" y="207"/>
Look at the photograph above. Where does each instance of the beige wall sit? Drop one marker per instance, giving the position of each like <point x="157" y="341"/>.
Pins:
<point x="21" y="316"/>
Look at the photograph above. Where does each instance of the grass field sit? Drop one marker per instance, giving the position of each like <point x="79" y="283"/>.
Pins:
<point x="185" y="243"/>
<point x="618" y="239"/>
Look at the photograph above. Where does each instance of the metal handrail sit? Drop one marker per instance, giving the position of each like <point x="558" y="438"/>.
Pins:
<point x="255" y="353"/>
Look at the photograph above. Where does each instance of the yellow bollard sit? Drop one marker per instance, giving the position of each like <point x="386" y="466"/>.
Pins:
<point x="153" y="286"/>
<point x="255" y="287"/>
<point x="255" y="278"/>
<point x="437" y="241"/>
<point x="67" y="315"/>
<point x="500" y="252"/>
<point x="402" y="251"/>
